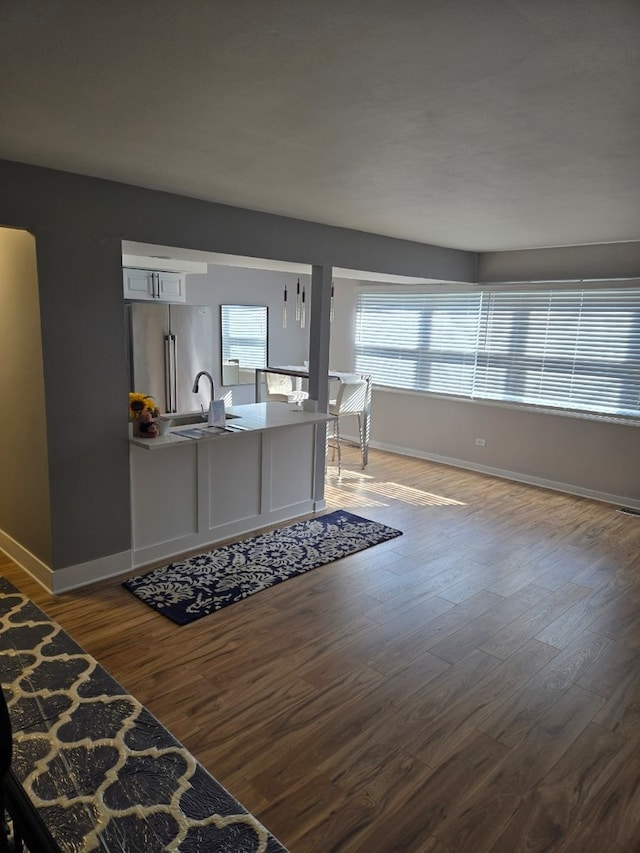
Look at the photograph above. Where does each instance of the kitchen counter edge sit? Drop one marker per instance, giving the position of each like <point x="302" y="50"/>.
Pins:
<point x="251" y="417"/>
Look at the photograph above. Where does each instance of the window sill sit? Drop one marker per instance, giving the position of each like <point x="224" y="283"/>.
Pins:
<point x="520" y="407"/>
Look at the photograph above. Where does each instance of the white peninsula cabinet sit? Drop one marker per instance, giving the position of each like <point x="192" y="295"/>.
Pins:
<point x="188" y="493"/>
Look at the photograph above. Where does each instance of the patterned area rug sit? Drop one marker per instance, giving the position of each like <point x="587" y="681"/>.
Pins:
<point x="195" y="587"/>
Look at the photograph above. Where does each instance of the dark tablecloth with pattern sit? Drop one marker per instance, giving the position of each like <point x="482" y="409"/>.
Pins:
<point x="102" y="772"/>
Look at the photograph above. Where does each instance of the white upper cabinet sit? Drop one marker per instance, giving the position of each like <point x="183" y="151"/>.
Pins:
<point x="154" y="286"/>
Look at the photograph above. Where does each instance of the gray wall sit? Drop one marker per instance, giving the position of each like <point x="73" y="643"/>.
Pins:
<point x="582" y="456"/>
<point x="24" y="495"/>
<point x="238" y="286"/>
<point x="79" y="223"/>
<point x="604" y="260"/>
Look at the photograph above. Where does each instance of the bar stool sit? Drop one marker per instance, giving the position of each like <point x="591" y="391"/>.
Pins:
<point x="351" y="399"/>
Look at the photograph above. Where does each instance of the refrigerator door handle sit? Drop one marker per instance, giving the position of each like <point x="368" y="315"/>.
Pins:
<point x="168" y="374"/>
<point x="155" y="286"/>
<point x="174" y="347"/>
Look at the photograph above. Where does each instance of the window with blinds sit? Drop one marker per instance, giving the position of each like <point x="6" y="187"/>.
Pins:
<point x="244" y="334"/>
<point x="575" y="350"/>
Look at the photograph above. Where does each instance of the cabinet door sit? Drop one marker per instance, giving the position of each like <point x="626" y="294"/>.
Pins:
<point x="156" y="286"/>
<point x="170" y="287"/>
<point x="138" y="284"/>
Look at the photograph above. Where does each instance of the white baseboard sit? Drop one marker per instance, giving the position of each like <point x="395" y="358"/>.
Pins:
<point x="82" y="574"/>
<point x="38" y="570"/>
<point x="71" y="577"/>
<point x="568" y="488"/>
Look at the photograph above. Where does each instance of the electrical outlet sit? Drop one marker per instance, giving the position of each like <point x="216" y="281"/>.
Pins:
<point x="481" y="442"/>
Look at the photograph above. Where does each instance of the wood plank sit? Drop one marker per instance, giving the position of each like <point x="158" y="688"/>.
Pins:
<point x="433" y="743"/>
<point x="486" y="811"/>
<point x="418" y="804"/>
<point x="581" y="615"/>
<point x="614" y="810"/>
<point x="514" y="718"/>
<point x="399" y="648"/>
<point x="621" y="713"/>
<point x="582" y="839"/>
<point x="476" y="632"/>
<point x="513" y="635"/>
<point x="426" y="702"/>
<point x="615" y="673"/>
<point x="551" y="808"/>
<point x="361" y="721"/>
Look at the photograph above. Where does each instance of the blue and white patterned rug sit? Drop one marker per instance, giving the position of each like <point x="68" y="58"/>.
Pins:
<point x="195" y="587"/>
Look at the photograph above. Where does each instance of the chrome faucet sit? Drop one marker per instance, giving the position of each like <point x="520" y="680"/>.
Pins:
<point x="196" y="382"/>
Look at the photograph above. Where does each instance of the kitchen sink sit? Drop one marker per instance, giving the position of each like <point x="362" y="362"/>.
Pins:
<point x="192" y="419"/>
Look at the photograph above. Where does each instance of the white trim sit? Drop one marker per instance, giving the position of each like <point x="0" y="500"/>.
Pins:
<point x="147" y="262"/>
<point x="70" y="577"/>
<point x="555" y="486"/>
<point x="82" y="574"/>
<point x="30" y="563"/>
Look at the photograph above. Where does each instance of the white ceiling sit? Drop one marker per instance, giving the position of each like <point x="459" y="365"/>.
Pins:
<point x="475" y="124"/>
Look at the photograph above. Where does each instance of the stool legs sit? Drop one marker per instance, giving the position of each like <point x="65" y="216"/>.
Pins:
<point x="337" y="444"/>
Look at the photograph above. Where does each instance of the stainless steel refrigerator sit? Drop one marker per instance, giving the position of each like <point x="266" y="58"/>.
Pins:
<point x="167" y="346"/>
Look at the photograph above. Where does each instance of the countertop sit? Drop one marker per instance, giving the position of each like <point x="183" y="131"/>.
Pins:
<point x="252" y="417"/>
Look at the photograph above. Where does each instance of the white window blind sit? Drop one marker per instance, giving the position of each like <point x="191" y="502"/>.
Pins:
<point x="571" y="349"/>
<point x="244" y="334"/>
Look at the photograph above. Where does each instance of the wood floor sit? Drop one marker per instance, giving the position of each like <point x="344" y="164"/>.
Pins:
<point x="470" y="686"/>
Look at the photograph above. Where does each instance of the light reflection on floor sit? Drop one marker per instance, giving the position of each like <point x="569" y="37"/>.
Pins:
<point x="356" y="488"/>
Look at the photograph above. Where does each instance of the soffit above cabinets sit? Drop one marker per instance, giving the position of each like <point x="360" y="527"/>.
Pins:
<point x="181" y="258"/>
<point x="164" y="264"/>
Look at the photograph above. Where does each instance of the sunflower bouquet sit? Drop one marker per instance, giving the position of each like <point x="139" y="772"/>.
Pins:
<point x="139" y="403"/>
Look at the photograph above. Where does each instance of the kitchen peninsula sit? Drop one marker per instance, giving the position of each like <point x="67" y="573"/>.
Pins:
<point x="188" y="492"/>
